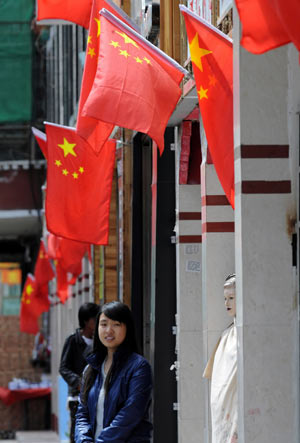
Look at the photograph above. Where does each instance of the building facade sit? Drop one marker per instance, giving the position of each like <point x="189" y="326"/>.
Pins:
<point x="174" y="237"/>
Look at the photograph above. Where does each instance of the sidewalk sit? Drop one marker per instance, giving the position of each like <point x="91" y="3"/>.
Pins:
<point x="34" y="437"/>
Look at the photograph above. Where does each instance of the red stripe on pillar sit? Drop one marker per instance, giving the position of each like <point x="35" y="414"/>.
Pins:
<point x="266" y="187"/>
<point x="214" y="200"/>
<point x="264" y="151"/>
<point x="189" y="215"/>
<point x="190" y="239"/>
<point x="217" y="227"/>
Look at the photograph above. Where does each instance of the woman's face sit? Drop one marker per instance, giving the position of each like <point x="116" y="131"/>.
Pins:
<point x="111" y="332"/>
<point x="229" y="298"/>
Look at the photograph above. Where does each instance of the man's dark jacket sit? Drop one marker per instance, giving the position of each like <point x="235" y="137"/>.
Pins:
<point x="73" y="361"/>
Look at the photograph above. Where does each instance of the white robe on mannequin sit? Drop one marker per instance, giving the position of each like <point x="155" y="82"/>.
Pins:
<point x="222" y="369"/>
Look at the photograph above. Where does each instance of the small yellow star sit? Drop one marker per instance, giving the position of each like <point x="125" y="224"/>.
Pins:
<point x="89" y="40"/>
<point x="27" y="302"/>
<point x="29" y="289"/>
<point x="68" y="148"/>
<point x="58" y="163"/>
<point x="114" y="44"/>
<point x="65" y="172"/>
<point x="147" y="60"/>
<point x="91" y="52"/>
<point x="75" y="175"/>
<point x="202" y="93"/>
<point x="212" y="80"/>
<point x="124" y="52"/>
<point x="127" y="39"/>
<point x="138" y="60"/>
<point x="81" y="170"/>
<point x="42" y="255"/>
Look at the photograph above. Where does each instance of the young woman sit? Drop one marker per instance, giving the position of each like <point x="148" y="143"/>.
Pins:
<point x="117" y="384"/>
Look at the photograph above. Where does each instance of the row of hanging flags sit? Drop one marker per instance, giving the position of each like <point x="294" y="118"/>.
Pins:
<point x="130" y="83"/>
<point x="61" y="258"/>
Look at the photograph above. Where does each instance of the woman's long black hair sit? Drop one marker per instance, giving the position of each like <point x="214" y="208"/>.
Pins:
<point x="119" y="312"/>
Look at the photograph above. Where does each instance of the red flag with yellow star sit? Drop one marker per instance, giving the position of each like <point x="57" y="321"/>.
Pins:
<point x="30" y="308"/>
<point x="67" y="255"/>
<point x="78" y="186"/>
<point x="94" y="131"/>
<point x="72" y="253"/>
<point x="136" y="85"/>
<point x="62" y="282"/>
<point x="72" y="11"/>
<point x="53" y="243"/>
<point x="211" y="55"/>
<point x="267" y="24"/>
<point x="43" y="273"/>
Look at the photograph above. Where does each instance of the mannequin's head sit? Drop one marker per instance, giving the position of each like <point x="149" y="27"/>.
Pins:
<point x="229" y="295"/>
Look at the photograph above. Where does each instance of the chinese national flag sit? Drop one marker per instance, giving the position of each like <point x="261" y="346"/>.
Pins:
<point x="30" y="307"/>
<point x="78" y="186"/>
<point x="70" y="261"/>
<point x="77" y="11"/>
<point x="53" y="244"/>
<point x="211" y="55"/>
<point x="62" y="282"/>
<point x="136" y="86"/>
<point x="267" y="24"/>
<point x="94" y="131"/>
<point x="72" y="253"/>
<point x="43" y="273"/>
<point x="67" y="255"/>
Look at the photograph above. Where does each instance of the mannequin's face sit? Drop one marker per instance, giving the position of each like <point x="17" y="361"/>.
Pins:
<point x="229" y="298"/>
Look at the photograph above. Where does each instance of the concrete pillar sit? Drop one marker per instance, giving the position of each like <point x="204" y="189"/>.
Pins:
<point x="268" y="386"/>
<point x="218" y="262"/>
<point x="189" y="310"/>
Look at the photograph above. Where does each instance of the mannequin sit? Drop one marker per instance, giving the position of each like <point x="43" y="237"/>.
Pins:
<point x="222" y="370"/>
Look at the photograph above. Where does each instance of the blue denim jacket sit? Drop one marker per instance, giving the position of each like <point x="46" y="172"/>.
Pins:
<point x="126" y="406"/>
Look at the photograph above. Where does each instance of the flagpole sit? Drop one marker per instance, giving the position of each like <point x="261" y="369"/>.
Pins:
<point x="204" y="22"/>
<point x="124" y="15"/>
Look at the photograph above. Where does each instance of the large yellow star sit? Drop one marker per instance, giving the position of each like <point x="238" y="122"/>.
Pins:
<point x="68" y="148"/>
<point x="91" y="52"/>
<point x="127" y="39"/>
<point x="197" y="53"/>
<point x="29" y="289"/>
<point x="99" y="26"/>
<point x="124" y="52"/>
<point x="202" y="93"/>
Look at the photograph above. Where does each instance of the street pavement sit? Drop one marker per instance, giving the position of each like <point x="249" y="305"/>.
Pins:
<point x="34" y="437"/>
